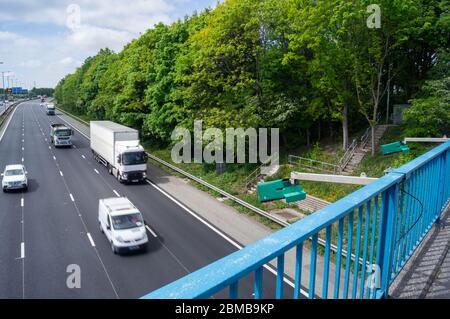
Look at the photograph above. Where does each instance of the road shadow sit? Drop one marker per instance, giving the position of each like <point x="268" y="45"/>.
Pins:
<point x="33" y="185"/>
<point x="153" y="245"/>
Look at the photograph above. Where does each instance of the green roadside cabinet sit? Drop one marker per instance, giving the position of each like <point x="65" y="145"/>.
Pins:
<point x="395" y="147"/>
<point x="280" y="189"/>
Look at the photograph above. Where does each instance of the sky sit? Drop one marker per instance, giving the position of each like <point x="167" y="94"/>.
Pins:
<point x="43" y="40"/>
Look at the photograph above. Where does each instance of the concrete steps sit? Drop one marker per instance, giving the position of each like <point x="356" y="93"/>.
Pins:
<point x="361" y="152"/>
<point x="312" y="204"/>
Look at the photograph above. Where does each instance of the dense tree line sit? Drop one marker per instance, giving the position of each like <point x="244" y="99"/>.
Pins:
<point x="41" y="91"/>
<point x="300" y="65"/>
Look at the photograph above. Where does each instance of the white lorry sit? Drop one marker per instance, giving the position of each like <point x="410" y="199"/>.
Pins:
<point x="117" y="147"/>
<point x="123" y="224"/>
<point x="50" y="109"/>
<point x="61" y="135"/>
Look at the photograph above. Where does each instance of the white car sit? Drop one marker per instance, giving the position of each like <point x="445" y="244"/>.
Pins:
<point x="14" y="177"/>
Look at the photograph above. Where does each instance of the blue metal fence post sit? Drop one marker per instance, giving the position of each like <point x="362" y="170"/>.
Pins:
<point x="441" y="201"/>
<point x="390" y="210"/>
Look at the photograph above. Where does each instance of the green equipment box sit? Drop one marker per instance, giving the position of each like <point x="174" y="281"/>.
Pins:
<point x="280" y="189"/>
<point x="394" y="148"/>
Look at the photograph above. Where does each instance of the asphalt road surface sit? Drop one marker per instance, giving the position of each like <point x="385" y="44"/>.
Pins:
<point x="54" y="225"/>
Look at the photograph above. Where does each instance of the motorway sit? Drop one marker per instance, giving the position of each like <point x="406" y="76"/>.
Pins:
<point x="55" y="224"/>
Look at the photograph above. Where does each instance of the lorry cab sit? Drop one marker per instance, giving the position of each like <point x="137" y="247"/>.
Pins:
<point x="61" y="135"/>
<point x="123" y="224"/>
<point x="131" y="161"/>
<point x="50" y="109"/>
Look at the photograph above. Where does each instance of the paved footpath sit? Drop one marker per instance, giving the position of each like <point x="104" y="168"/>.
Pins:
<point x="427" y="273"/>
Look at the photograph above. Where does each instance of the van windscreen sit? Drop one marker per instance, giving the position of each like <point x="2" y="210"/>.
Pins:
<point x="127" y="221"/>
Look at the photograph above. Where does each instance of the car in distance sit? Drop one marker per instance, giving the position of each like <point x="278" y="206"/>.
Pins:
<point x="123" y="224"/>
<point x="14" y="177"/>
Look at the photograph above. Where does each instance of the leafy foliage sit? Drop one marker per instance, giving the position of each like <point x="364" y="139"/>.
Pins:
<point x="292" y="64"/>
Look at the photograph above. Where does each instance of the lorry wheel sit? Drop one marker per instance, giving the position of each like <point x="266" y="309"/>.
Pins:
<point x="110" y="169"/>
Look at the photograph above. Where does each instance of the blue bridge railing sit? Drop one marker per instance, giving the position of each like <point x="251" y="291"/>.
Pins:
<point x="381" y="224"/>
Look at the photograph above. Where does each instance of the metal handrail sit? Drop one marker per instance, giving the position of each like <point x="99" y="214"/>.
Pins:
<point x="345" y="159"/>
<point x="313" y="164"/>
<point x="253" y="176"/>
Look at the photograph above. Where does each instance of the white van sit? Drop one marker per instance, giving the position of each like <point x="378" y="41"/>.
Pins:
<point x="122" y="223"/>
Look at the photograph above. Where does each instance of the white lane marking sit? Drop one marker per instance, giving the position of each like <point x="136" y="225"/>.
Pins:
<point x="21" y="202"/>
<point x="151" y="231"/>
<point x="22" y="250"/>
<point x="61" y="173"/>
<point x="54" y="157"/>
<point x="23" y="141"/>
<point x="71" y="197"/>
<point x="218" y="232"/>
<point x="91" y="240"/>
<point x="23" y="148"/>
<point x="115" y="192"/>
<point x="49" y="148"/>
<point x="46" y="139"/>
<point x="22" y="159"/>
<point x="83" y="156"/>
<point x="74" y="146"/>
<point x="96" y="171"/>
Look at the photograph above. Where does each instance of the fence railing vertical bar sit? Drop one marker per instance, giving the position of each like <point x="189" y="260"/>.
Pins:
<point x="423" y="190"/>
<point x="234" y="290"/>
<point x="348" y="260"/>
<point x="388" y="234"/>
<point x="409" y="222"/>
<point x="349" y="248"/>
<point x="416" y="212"/>
<point x="313" y="265"/>
<point x="412" y="207"/>
<point x="431" y="199"/>
<point x="280" y="277"/>
<point x="337" y="277"/>
<point x="380" y="236"/>
<point x="326" y="266"/>
<point x="442" y="182"/>
<point x="258" y="286"/>
<point x="401" y="222"/>
<point x="375" y="217"/>
<point x="366" y="241"/>
<point x="298" y="270"/>
<point x="357" y="252"/>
